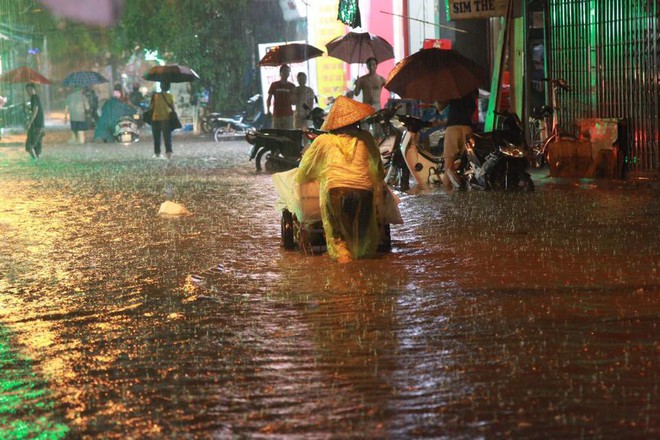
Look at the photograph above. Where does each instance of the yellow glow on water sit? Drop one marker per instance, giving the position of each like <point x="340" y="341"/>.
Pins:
<point x="22" y="221"/>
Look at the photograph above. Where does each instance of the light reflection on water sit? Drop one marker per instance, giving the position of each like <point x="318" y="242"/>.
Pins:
<point x="495" y="315"/>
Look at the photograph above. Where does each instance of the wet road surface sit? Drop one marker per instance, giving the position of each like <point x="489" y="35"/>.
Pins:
<point x="496" y="315"/>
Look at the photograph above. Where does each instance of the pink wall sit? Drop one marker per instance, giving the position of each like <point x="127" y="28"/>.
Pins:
<point x="382" y="25"/>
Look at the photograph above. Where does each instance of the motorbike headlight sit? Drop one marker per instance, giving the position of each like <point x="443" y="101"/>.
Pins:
<point x="512" y="150"/>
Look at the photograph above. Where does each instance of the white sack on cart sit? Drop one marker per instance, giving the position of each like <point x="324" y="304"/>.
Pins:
<point x="300" y="199"/>
<point x="303" y="199"/>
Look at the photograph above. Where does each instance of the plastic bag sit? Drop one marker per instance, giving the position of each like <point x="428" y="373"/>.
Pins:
<point x="389" y="211"/>
<point x="172" y="209"/>
<point x="300" y="199"/>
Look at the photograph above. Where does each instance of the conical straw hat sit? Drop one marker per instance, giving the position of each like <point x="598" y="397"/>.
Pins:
<point x="346" y="111"/>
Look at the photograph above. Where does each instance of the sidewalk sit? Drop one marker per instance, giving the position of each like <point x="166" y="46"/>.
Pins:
<point x="58" y="132"/>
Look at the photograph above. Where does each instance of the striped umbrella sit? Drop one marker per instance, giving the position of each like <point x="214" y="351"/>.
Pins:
<point x="84" y="79"/>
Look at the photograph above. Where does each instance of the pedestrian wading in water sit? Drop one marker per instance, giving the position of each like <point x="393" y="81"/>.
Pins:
<point x="162" y="105"/>
<point x="346" y="163"/>
<point x="35" y="126"/>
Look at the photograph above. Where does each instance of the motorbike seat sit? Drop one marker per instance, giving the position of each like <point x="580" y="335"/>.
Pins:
<point x="287" y="141"/>
<point x="487" y="136"/>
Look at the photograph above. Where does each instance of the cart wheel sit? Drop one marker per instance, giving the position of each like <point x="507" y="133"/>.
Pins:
<point x="287" y="230"/>
<point x="527" y="183"/>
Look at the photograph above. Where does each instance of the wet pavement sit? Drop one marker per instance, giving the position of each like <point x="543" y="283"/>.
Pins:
<point x="495" y="315"/>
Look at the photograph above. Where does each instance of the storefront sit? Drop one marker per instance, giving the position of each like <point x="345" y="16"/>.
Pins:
<point x="608" y="51"/>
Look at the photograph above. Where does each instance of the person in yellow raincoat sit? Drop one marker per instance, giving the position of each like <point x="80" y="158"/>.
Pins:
<point x="346" y="163"/>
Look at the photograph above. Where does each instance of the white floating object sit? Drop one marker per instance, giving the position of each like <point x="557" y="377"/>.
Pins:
<point x="171" y="208"/>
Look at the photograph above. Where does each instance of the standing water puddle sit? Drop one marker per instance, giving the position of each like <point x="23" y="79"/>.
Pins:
<point x="514" y="315"/>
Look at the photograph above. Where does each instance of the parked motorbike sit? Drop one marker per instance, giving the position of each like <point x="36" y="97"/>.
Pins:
<point x="495" y="160"/>
<point x="224" y="127"/>
<point x="127" y="129"/>
<point x="402" y="156"/>
<point x="281" y="149"/>
<point x="389" y="133"/>
<point x="499" y="159"/>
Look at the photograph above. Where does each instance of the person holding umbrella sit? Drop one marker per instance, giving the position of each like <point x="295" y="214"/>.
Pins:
<point x="281" y="93"/>
<point x="35" y="125"/>
<point x="162" y="104"/>
<point x="75" y="110"/>
<point x="459" y="123"/>
<point x="370" y="85"/>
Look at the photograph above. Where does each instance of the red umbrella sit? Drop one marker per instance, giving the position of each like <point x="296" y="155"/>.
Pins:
<point x="435" y="75"/>
<point x="358" y="47"/>
<point x="290" y="54"/>
<point x="24" y="75"/>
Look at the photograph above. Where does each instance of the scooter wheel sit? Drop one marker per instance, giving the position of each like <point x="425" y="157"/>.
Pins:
<point x="527" y="183"/>
<point x="257" y="159"/>
<point x="218" y="134"/>
<point x="287" y="230"/>
<point x="269" y="164"/>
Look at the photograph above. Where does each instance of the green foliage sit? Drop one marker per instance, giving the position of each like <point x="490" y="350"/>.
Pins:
<point x="208" y="36"/>
<point x="216" y="38"/>
<point x="66" y="41"/>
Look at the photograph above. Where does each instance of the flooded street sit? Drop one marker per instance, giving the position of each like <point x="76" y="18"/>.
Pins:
<point x="495" y="316"/>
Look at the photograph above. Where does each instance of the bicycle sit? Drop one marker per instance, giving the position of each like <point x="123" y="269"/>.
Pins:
<point x="543" y="134"/>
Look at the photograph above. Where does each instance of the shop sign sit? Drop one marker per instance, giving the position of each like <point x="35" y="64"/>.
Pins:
<point x="468" y="9"/>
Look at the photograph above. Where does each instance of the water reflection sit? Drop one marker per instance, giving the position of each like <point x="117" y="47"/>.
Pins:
<point x="522" y="315"/>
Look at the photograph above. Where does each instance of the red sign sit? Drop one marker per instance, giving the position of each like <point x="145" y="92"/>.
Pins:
<point x="440" y="43"/>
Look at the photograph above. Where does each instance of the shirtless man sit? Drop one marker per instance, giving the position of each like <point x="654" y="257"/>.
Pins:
<point x="370" y="85"/>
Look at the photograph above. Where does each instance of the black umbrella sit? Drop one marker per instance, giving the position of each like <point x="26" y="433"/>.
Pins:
<point x="172" y="73"/>
<point x="358" y="47"/>
<point x="435" y="75"/>
<point x="84" y="79"/>
<point x="290" y="54"/>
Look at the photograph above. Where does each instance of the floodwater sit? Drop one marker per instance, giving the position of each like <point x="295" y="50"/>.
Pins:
<point x="495" y="315"/>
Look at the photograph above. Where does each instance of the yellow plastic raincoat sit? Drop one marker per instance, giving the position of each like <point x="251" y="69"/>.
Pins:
<point x="347" y="160"/>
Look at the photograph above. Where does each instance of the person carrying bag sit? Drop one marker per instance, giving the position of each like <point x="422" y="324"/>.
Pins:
<point x="163" y="120"/>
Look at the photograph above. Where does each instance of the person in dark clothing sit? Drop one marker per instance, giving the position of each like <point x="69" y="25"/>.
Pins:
<point x="136" y="97"/>
<point x="459" y="124"/>
<point x="93" y="100"/>
<point x="35" y="125"/>
<point x="122" y="96"/>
